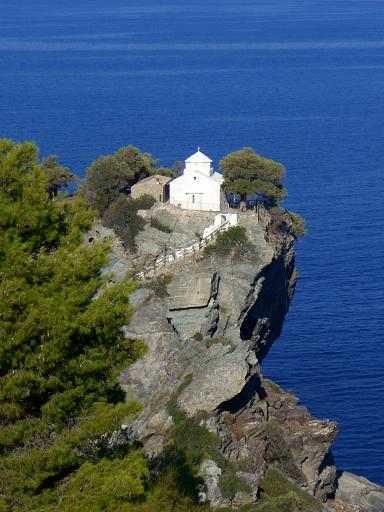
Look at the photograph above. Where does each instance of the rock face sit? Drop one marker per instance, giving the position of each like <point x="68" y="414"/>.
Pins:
<point x="211" y="473"/>
<point x="360" y="493"/>
<point x="207" y="325"/>
<point x="273" y="430"/>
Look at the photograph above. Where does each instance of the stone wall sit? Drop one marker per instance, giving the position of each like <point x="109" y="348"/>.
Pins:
<point x="155" y="186"/>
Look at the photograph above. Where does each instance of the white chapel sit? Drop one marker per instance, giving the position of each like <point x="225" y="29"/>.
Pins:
<point x="199" y="187"/>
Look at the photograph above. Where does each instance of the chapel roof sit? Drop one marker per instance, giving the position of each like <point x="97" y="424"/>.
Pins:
<point x="199" y="157"/>
<point x="158" y="178"/>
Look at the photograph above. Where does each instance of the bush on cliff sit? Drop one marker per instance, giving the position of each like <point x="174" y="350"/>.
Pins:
<point x="279" y="454"/>
<point x="297" y="223"/>
<point x="235" y="239"/>
<point x="144" y="202"/>
<point x="194" y="442"/>
<point x="122" y="217"/>
<point x="160" y="226"/>
<point x="286" y="221"/>
<point x="107" y="188"/>
<point x="279" y="494"/>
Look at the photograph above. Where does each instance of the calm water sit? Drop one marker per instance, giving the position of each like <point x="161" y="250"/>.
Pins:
<point x="301" y="81"/>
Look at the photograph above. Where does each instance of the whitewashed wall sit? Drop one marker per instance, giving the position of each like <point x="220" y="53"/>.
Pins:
<point x="194" y="191"/>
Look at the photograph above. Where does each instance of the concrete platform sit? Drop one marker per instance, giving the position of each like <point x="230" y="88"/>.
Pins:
<point x="194" y="292"/>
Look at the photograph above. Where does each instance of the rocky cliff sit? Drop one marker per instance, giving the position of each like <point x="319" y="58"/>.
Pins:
<point x="208" y="322"/>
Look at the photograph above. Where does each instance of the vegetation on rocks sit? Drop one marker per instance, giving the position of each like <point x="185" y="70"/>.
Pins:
<point x="160" y="226"/>
<point x="159" y="285"/>
<point x="197" y="336"/>
<point x="196" y="443"/>
<point x="220" y="340"/>
<point x="106" y="187"/>
<point x="287" y="221"/>
<point x="280" y="495"/>
<point x="122" y="217"/>
<point x="279" y="454"/>
<point x="277" y="494"/>
<point x="234" y="239"/>
<point x="297" y="223"/>
<point x="144" y="202"/>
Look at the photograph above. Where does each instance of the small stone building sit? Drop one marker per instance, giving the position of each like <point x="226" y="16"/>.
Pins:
<point x="156" y="186"/>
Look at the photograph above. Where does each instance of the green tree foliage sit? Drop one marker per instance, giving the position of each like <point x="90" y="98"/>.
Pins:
<point x="61" y="349"/>
<point x="166" y="171"/>
<point x="286" y="221"/>
<point x="297" y="223"/>
<point x="279" y="494"/>
<point x="59" y="177"/>
<point x="109" y="485"/>
<point x="174" y="171"/>
<point x="122" y="217"/>
<point x="144" y="202"/>
<point x="191" y="444"/>
<point x="246" y="172"/>
<point x="111" y="175"/>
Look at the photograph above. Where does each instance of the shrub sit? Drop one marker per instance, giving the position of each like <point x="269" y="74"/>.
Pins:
<point x="192" y="439"/>
<point x="157" y="224"/>
<point x="197" y="336"/>
<point x="159" y="285"/>
<point x="233" y="239"/>
<point x="279" y="495"/>
<point x="297" y="223"/>
<point x="122" y="217"/>
<point x="284" y="221"/>
<point x="278" y="453"/>
<point x="218" y="340"/>
<point x="144" y="202"/>
<point x="231" y="484"/>
<point x="197" y="443"/>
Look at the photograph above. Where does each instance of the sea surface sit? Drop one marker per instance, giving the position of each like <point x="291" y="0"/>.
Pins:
<point x="301" y="81"/>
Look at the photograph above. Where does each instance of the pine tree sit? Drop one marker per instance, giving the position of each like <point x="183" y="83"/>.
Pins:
<point x="246" y="172"/>
<point x="61" y="351"/>
<point x="61" y="341"/>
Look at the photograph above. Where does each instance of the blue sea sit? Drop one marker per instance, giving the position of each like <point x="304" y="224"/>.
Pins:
<point x="301" y="81"/>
